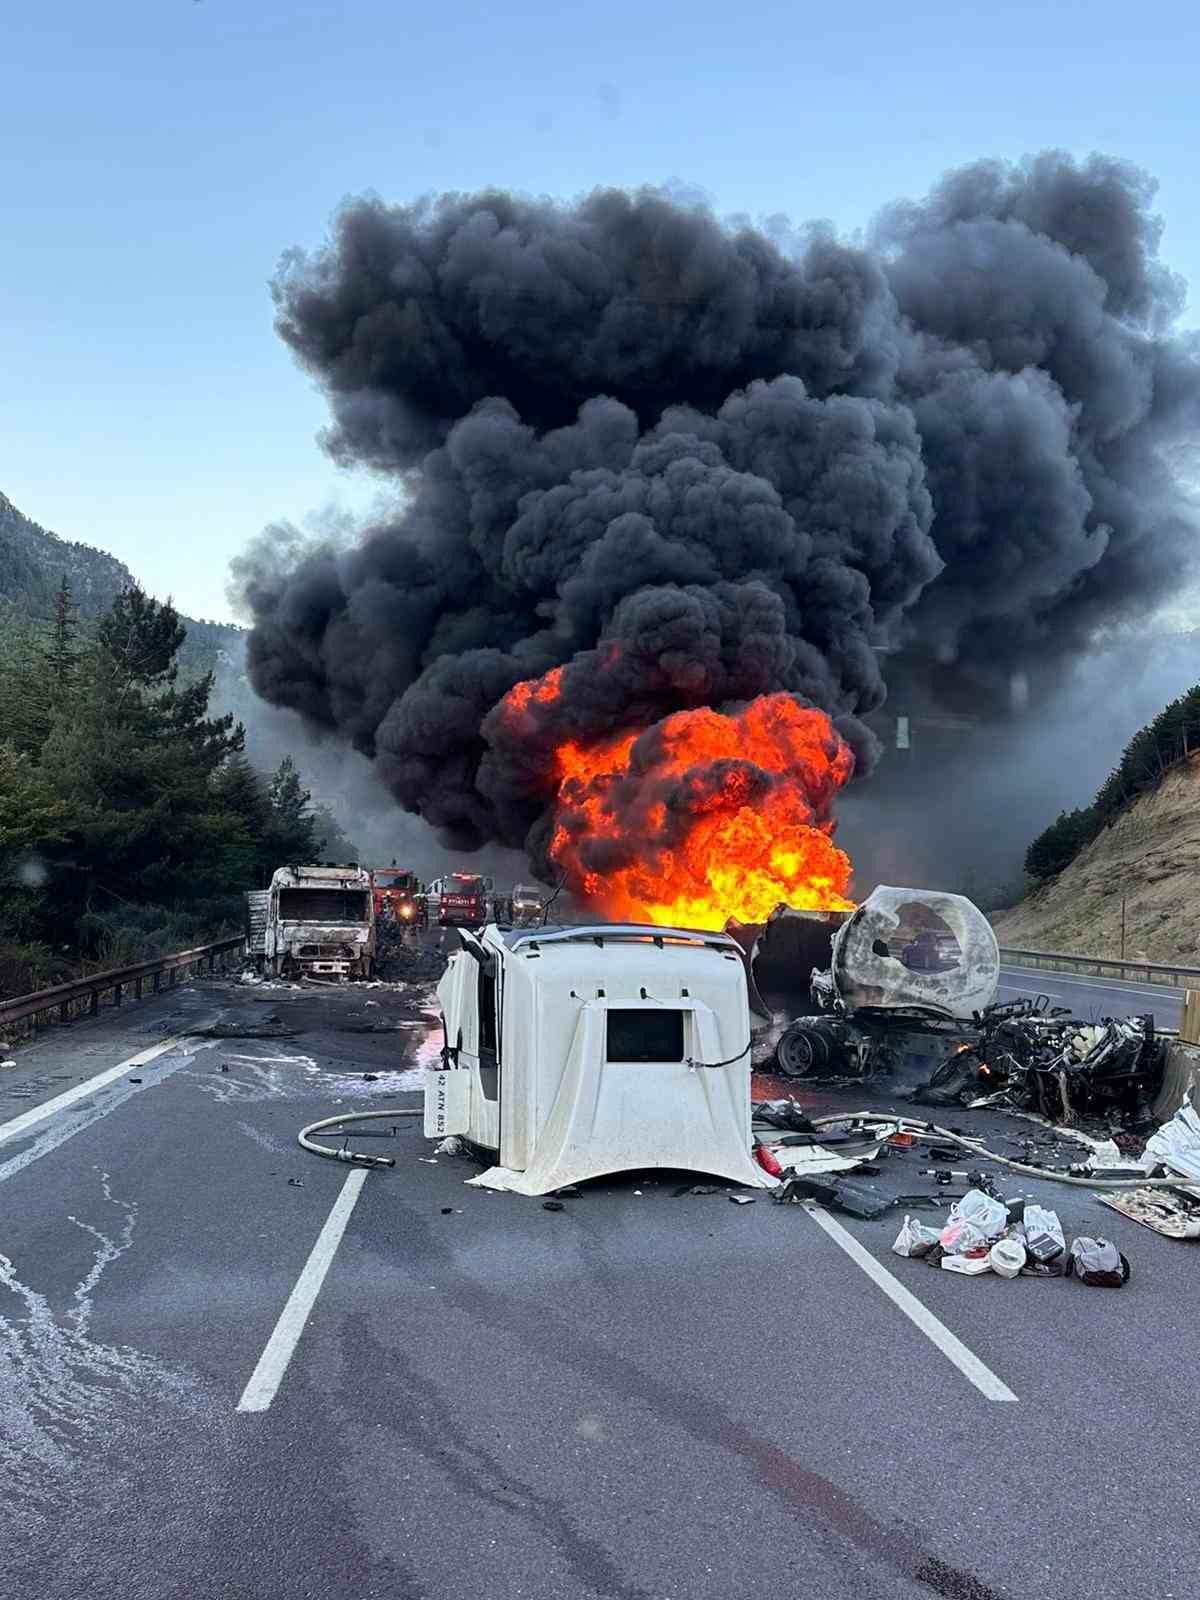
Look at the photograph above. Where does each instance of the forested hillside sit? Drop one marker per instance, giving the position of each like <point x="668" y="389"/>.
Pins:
<point x="1172" y="737"/>
<point x="131" y="821"/>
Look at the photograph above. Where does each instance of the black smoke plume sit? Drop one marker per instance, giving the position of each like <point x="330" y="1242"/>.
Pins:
<point x="691" y="469"/>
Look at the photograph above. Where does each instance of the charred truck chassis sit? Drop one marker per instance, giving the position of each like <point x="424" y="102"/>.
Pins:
<point x="905" y="977"/>
<point x="940" y="1015"/>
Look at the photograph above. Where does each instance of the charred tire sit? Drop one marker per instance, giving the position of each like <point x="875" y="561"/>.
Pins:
<point x="801" y="1052"/>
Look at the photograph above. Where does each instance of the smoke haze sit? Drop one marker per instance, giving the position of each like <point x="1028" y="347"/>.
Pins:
<point x="691" y="469"/>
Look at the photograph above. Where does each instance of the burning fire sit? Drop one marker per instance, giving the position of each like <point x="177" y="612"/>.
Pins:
<point x="702" y="816"/>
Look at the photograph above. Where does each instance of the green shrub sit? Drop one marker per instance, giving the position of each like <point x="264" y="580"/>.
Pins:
<point x="26" y="967"/>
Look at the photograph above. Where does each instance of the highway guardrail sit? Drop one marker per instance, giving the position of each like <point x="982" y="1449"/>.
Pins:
<point x="83" y="996"/>
<point x="1165" y="972"/>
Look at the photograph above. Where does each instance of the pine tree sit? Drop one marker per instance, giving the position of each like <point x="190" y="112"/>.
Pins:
<point x="24" y="711"/>
<point x="134" y="766"/>
<point x="242" y="795"/>
<point x="138" y="640"/>
<point x="62" y="653"/>
<point x="292" y="834"/>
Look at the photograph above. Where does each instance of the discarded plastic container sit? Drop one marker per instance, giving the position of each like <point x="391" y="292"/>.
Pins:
<point x="1007" y="1257"/>
<point x="969" y="1266"/>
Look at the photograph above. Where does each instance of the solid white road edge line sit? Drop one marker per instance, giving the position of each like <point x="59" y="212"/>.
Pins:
<point x="82" y="1091"/>
<point x="969" y="1364"/>
<point x="281" y="1346"/>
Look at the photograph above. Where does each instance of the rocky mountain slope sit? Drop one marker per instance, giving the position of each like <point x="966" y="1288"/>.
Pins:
<point x="34" y="561"/>
<point x="1150" y="856"/>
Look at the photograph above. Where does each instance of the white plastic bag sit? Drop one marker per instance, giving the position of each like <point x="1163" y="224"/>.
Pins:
<point x="981" y="1211"/>
<point x="915" y="1238"/>
<point x="1044" y="1237"/>
<point x="1007" y="1257"/>
<point x="957" y="1238"/>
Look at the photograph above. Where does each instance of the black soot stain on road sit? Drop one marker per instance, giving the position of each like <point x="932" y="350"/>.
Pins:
<point x="807" y="1495"/>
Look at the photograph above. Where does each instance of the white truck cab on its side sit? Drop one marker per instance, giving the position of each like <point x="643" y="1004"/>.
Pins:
<point x="578" y="1051"/>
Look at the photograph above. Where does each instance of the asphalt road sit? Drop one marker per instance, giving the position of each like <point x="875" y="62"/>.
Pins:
<point x="1093" y="998"/>
<point x="645" y="1396"/>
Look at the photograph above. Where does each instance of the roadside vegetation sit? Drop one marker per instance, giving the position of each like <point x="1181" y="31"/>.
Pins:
<point x="1173" y="736"/>
<point x="130" y="819"/>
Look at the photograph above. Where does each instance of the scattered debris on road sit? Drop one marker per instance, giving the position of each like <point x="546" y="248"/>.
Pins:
<point x="838" y="1194"/>
<point x="1010" y="1240"/>
<point x="1176" y="1145"/>
<point x="272" y="1027"/>
<point x="1029" y="1055"/>
<point x="1173" y="1214"/>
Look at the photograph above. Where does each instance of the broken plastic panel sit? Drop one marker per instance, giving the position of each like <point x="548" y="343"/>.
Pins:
<point x="916" y="948"/>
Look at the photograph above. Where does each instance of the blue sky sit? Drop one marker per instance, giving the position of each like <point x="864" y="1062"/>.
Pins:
<point x="157" y="156"/>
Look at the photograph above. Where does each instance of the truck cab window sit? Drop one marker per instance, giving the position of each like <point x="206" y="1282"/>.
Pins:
<point x="635" y="1035"/>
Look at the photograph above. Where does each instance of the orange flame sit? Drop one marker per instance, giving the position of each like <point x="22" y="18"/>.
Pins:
<point x="534" y="691"/>
<point x="704" y="816"/>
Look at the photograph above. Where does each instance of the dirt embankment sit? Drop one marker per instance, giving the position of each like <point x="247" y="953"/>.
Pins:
<point x="1151" y="857"/>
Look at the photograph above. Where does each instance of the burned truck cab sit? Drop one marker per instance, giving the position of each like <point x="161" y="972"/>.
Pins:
<point x="318" y="921"/>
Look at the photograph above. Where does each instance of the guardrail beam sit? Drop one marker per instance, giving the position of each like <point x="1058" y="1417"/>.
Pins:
<point x="1100" y="966"/>
<point x="63" y="996"/>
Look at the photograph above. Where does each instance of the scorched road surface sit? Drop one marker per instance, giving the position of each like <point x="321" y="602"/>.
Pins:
<point x="645" y="1396"/>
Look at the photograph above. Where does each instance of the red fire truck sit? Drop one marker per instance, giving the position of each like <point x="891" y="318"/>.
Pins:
<point x="399" y="896"/>
<point x="460" y="899"/>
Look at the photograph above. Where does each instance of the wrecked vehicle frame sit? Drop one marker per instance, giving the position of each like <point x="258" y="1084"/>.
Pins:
<point x="904" y="976"/>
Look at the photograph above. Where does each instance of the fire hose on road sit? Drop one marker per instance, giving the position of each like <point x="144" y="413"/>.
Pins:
<point x="352" y="1157"/>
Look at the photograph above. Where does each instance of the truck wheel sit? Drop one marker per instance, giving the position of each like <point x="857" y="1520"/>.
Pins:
<point x="802" y="1052"/>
